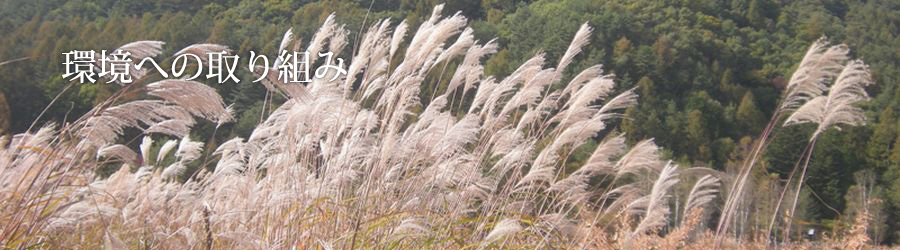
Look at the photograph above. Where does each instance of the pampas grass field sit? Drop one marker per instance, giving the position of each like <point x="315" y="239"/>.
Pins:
<point x="384" y="158"/>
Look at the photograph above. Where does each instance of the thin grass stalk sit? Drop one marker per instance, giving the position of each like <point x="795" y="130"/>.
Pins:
<point x="784" y="191"/>
<point x="811" y="146"/>
<point x="739" y="183"/>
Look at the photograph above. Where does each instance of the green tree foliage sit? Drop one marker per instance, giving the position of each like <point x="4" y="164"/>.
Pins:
<point x="889" y="178"/>
<point x="866" y="195"/>
<point x="878" y="150"/>
<point x="748" y="115"/>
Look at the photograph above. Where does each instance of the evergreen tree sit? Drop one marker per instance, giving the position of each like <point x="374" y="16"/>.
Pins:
<point x="878" y="150"/>
<point x="748" y="115"/>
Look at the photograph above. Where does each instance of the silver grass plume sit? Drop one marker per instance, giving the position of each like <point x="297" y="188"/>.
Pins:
<point x="601" y="158"/>
<point x="105" y="127"/>
<point x="574" y="187"/>
<point x="188" y="150"/>
<point x="164" y="150"/>
<point x="327" y="30"/>
<point x="463" y="43"/>
<point x="582" y="37"/>
<point x="397" y="37"/>
<point x="338" y="40"/>
<point x="143" y="49"/>
<point x="654" y="206"/>
<point x="543" y="109"/>
<point x="138" y="51"/>
<point x="197" y="98"/>
<point x="484" y="91"/>
<point x="542" y="169"/>
<point x="173" y="170"/>
<point x="427" y="44"/>
<point x="285" y="41"/>
<point x="582" y="78"/>
<point x="458" y="136"/>
<point x="371" y="56"/>
<point x="174" y="127"/>
<point x="412" y="226"/>
<point x="121" y="152"/>
<point x="146" y="143"/>
<point x="643" y="156"/>
<point x="820" y="64"/>
<point x="507" y="86"/>
<point x="838" y="107"/>
<point x="470" y="71"/>
<point x="233" y="156"/>
<point x="530" y="92"/>
<point x="579" y="108"/>
<point x="622" y="101"/>
<point x="517" y="156"/>
<point x="502" y="229"/>
<point x="580" y="132"/>
<point x="704" y="191"/>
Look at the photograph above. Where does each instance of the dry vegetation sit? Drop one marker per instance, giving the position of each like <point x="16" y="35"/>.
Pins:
<point x="363" y="162"/>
